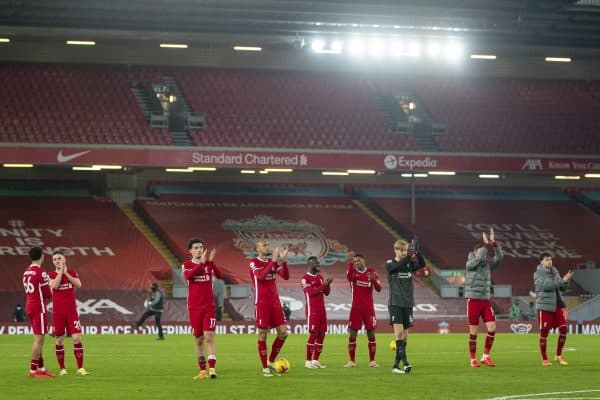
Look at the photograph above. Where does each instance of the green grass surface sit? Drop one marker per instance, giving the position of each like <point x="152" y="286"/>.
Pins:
<point x="137" y="366"/>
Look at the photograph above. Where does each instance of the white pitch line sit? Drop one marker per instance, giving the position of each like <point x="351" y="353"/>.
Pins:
<point x="525" y="396"/>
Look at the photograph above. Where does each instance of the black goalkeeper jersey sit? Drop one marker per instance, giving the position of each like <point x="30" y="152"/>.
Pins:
<point x="400" y="275"/>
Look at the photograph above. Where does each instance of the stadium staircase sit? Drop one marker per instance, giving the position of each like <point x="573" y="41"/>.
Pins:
<point x="585" y="202"/>
<point x="146" y="100"/>
<point x="397" y="120"/>
<point x="422" y="130"/>
<point x="378" y="220"/>
<point x="156" y="242"/>
<point x="179" y="110"/>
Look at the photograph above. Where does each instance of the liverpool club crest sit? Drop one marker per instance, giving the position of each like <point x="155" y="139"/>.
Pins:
<point x="303" y="239"/>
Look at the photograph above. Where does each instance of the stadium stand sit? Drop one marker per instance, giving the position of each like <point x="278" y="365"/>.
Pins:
<point x="72" y="103"/>
<point x="324" y="226"/>
<point x="450" y="222"/>
<point x="510" y="115"/>
<point x="97" y="238"/>
<point x="246" y="108"/>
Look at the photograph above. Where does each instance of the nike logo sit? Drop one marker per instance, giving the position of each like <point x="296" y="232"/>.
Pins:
<point x="61" y="158"/>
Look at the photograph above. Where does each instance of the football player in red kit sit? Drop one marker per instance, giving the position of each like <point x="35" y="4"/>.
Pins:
<point x="362" y="282"/>
<point x="65" y="318"/>
<point x="315" y="288"/>
<point x="37" y="292"/>
<point x="268" y="312"/>
<point x="198" y="273"/>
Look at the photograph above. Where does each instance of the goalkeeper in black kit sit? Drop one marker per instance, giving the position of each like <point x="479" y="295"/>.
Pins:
<point x="400" y="305"/>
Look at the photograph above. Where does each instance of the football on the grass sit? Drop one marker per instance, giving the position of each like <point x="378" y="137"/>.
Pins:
<point x="282" y="365"/>
<point x="393" y="345"/>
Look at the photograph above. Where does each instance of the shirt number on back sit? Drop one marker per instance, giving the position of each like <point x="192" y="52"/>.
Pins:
<point x="29" y="288"/>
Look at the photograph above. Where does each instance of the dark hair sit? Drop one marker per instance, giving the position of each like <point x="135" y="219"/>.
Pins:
<point x="154" y="286"/>
<point x="194" y="241"/>
<point x="359" y="255"/>
<point x="477" y="247"/>
<point x="35" y="253"/>
<point x="312" y="259"/>
<point x="55" y="252"/>
<point x="544" y="255"/>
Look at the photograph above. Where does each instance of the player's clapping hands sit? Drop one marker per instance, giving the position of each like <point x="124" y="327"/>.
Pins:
<point x="492" y="238"/>
<point x="211" y="256"/>
<point x="350" y="255"/>
<point x="61" y="265"/>
<point x="568" y="275"/>
<point x="284" y="254"/>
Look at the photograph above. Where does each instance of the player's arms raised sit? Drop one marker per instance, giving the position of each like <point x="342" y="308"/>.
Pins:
<point x="261" y="273"/>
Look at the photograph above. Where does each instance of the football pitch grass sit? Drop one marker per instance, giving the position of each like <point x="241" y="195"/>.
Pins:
<point x="137" y="366"/>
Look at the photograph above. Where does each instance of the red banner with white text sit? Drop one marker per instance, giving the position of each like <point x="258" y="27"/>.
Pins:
<point x="297" y="159"/>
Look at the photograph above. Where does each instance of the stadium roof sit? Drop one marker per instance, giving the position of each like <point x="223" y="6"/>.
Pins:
<point x="516" y="23"/>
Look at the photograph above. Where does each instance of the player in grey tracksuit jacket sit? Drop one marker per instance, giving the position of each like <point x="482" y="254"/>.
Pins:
<point x="550" y="305"/>
<point x="478" y="279"/>
<point x="478" y="283"/>
<point x="549" y="288"/>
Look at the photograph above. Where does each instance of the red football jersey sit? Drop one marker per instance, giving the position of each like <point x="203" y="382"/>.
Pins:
<point x="35" y="283"/>
<point x="63" y="297"/>
<point x="362" y="287"/>
<point x="199" y="280"/>
<point x="315" y="290"/>
<point x="262" y="275"/>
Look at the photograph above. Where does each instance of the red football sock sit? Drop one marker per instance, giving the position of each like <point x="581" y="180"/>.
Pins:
<point x="212" y="361"/>
<point x="41" y="363"/>
<point x="60" y="355"/>
<point x="318" y="347"/>
<point x="310" y="346"/>
<point x="543" y="340"/>
<point x="78" y="351"/>
<point x="489" y="341"/>
<point x="352" y="349"/>
<point x="202" y="363"/>
<point x="472" y="345"/>
<point x="33" y="366"/>
<point x="276" y="348"/>
<point x="372" y="349"/>
<point x="262" y="352"/>
<point x="562" y="338"/>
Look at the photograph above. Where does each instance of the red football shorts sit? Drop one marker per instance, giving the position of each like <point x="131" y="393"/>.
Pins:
<point x="268" y="315"/>
<point x="68" y="321"/>
<point x="360" y="316"/>
<point x="202" y="321"/>
<point x="477" y="308"/>
<point x="552" y="319"/>
<point x="317" y="323"/>
<point x="39" y="323"/>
